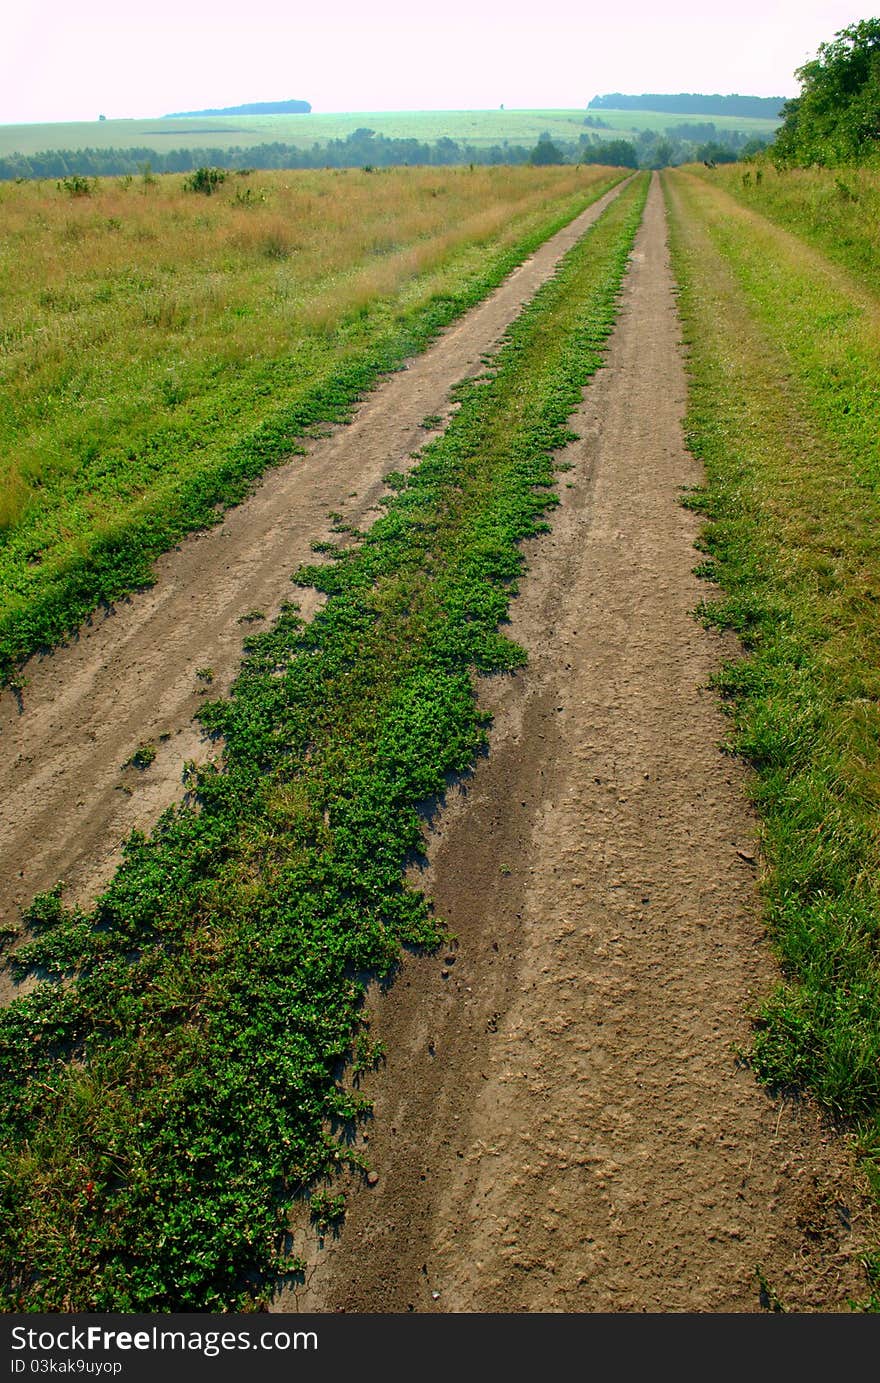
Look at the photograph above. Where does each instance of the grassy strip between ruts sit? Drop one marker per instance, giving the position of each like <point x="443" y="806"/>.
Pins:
<point x="782" y="411"/>
<point x="178" y="1080"/>
<point x="175" y="469"/>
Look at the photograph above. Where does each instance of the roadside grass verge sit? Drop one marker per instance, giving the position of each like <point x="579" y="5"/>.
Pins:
<point x="187" y="1068"/>
<point x="836" y="211"/>
<point x="160" y="349"/>
<point x="783" y="411"/>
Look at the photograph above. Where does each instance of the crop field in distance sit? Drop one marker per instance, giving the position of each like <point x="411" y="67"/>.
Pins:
<point x="480" y="128"/>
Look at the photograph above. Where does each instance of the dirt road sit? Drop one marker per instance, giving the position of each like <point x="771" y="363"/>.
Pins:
<point x="562" y="1124"/>
<point x="133" y="675"/>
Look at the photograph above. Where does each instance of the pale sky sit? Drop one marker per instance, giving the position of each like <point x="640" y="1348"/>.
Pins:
<point x="73" y="59"/>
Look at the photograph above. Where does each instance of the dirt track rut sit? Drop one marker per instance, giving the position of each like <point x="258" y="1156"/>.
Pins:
<point x="562" y="1124"/>
<point x="131" y="676"/>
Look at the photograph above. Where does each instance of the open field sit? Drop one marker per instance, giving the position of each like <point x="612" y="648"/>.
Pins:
<point x="511" y="945"/>
<point x="482" y="129"/>
<point x="162" y="348"/>
<point x="632" y="121"/>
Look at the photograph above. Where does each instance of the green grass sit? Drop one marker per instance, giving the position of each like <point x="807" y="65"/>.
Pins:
<point x="783" y="355"/>
<point x="179" y="1078"/>
<point x="162" y="349"/>
<point x="836" y="211"/>
<point x="481" y="128"/>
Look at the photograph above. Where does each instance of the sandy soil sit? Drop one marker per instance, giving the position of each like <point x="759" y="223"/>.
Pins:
<point x="562" y="1124"/>
<point x="131" y="676"/>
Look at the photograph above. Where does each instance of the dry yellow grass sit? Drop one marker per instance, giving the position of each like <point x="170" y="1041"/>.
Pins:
<point x="291" y="234"/>
<point x="159" y="348"/>
<point x="141" y="290"/>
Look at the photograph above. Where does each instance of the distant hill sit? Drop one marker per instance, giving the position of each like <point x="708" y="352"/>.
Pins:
<point x="691" y="103"/>
<point x="254" y="108"/>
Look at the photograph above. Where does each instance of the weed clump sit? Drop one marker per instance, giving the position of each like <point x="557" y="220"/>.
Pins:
<point x="142" y="757"/>
<point x="77" y="186"/>
<point x="205" y="180"/>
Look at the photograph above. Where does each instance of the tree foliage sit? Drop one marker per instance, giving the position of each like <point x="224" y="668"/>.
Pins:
<point x="836" y="117"/>
<point x="546" y="152"/>
<point x="250" y="108"/>
<point x="713" y="152"/>
<point x="618" y="153"/>
<point x="692" y="103"/>
<point x="649" y="148"/>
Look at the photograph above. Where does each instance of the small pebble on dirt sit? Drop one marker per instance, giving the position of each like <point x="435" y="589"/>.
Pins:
<point x="372" y="1178"/>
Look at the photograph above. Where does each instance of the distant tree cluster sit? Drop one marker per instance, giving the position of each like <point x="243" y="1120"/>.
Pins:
<point x="836" y="117"/>
<point x="361" y="148"/>
<point x="546" y="152"/>
<point x="620" y="153"/>
<point x="713" y="152"/>
<point x="254" y="108"/>
<point x="705" y="132"/>
<point x="690" y="103"/>
<point x="666" y="148"/>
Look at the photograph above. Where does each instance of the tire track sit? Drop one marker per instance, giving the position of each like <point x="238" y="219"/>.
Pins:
<point x="562" y="1124"/>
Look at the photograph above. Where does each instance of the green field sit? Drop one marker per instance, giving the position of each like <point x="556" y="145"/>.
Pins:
<point x="632" y="121"/>
<point x="479" y="128"/>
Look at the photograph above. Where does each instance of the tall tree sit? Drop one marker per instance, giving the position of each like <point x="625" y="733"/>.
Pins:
<point x="836" y="117"/>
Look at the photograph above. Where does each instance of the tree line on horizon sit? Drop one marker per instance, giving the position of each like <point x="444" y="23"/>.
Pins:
<point x="834" y="121"/>
<point x="252" y="108"/>
<point x="692" y="103"/>
<point x="363" y="148"/>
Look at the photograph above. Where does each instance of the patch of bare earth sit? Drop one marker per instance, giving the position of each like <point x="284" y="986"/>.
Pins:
<point x="132" y="674"/>
<point x="562" y="1124"/>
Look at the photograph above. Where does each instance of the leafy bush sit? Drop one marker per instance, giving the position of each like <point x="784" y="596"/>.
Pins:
<point x="76" y="186"/>
<point x="205" y="180"/>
